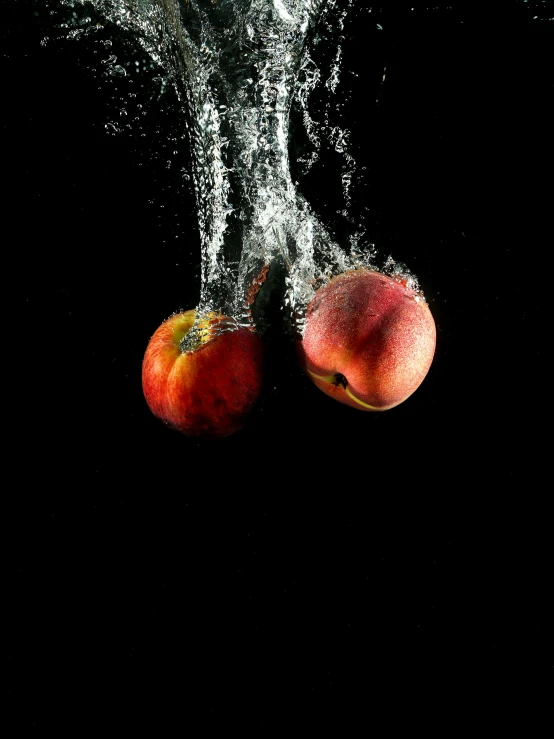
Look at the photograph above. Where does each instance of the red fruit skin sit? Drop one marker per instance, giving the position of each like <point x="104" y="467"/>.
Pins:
<point x="369" y="340"/>
<point x="208" y="392"/>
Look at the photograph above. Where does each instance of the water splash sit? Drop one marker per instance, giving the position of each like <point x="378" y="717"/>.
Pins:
<point x="237" y="67"/>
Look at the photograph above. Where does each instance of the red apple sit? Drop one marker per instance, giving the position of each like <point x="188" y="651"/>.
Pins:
<point x="208" y="384"/>
<point x="369" y="340"/>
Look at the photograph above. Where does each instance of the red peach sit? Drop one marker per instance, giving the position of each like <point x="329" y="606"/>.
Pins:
<point x="208" y="384"/>
<point x="369" y="340"/>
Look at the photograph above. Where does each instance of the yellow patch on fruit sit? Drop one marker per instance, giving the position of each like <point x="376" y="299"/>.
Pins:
<point x="331" y="379"/>
<point x="193" y="331"/>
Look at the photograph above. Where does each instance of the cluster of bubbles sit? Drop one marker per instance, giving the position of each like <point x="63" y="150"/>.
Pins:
<point x="237" y="67"/>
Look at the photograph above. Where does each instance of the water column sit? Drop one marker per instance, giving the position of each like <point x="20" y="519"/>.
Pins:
<point x="241" y="61"/>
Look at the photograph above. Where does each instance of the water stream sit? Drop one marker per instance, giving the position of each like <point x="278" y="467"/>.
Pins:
<point x="237" y="67"/>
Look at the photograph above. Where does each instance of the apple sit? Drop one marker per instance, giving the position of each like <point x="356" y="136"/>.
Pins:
<point x="368" y="340"/>
<point x="203" y="377"/>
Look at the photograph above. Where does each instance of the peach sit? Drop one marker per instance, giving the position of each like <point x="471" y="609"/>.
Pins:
<point x="369" y="340"/>
<point x="203" y="379"/>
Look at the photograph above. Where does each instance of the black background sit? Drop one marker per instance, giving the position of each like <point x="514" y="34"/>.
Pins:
<point x="322" y="557"/>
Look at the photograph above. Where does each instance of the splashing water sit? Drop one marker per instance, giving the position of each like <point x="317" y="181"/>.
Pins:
<point x="236" y="67"/>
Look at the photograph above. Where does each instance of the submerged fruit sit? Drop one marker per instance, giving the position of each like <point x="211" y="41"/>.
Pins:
<point x="203" y="377"/>
<point x="369" y="340"/>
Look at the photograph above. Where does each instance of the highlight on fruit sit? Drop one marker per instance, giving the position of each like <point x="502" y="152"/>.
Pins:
<point x="368" y="340"/>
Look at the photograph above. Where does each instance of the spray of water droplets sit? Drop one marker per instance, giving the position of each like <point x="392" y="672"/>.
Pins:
<point x="237" y="67"/>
